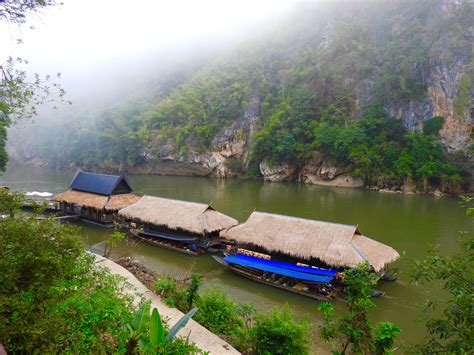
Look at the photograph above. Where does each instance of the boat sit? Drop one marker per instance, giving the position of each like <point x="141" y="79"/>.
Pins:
<point x="177" y="243"/>
<point x="34" y="199"/>
<point x="305" y="281"/>
<point x="187" y="227"/>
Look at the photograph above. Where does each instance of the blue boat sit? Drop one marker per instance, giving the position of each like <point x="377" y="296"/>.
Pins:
<point x="280" y="264"/>
<point x="272" y="274"/>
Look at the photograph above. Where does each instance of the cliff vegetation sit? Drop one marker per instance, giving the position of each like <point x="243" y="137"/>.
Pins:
<point x="370" y="93"/>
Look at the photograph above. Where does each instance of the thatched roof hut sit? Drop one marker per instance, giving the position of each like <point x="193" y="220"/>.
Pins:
<point x="334" y="244"/>
<point x="192" y="217"/>
<point x="98" y="202"/>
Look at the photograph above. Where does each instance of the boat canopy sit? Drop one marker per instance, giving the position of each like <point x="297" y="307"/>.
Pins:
<point x="179" y="238"/>
<point x="277" y="270"/>
<point x="305" y="269"/>
<point x="338" y="245"/>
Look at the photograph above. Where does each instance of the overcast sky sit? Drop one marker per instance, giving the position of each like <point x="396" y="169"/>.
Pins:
<point x="86" y="32"/>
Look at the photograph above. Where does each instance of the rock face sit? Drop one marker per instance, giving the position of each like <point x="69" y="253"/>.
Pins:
<point x="442" y="80"/>
<point x="228" y="156"/>
<point x="278" y="172"/>
<point x="231" y="147"/>
<point x="322" y="172"/>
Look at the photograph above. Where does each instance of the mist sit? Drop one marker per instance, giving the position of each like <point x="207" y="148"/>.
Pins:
<point x="109" y="47"/>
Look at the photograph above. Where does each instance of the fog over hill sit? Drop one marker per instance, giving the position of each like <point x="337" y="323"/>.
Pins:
<point x="323" y="92"/>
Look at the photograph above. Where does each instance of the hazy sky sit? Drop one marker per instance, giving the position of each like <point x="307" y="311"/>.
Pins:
<point x="90" y="31"/>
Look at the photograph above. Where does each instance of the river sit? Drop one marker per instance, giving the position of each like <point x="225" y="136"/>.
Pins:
<point x="410" y="224"/>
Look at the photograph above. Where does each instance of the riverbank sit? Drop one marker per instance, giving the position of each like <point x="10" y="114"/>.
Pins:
<point x="199" y="335"/>
<point x="332" y="177"/>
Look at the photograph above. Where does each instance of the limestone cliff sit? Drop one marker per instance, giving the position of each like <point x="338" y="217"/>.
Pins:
<point x="415" y="58"/>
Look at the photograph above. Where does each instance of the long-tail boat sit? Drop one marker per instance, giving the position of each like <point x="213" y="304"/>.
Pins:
<point x="307" y="281"/>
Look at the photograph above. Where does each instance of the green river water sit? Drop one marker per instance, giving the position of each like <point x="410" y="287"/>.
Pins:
<point x="410" y="224"/>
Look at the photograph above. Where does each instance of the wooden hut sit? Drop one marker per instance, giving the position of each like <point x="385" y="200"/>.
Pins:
<point x="183" y="226"/>
<point x="96" y="197"/>
<point x="333" y="244"/>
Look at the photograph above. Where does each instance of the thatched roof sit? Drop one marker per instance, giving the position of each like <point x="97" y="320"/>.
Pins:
<point x="192" y="217"/>
<point x="117" y="202"/>
<point x="335" y="244"/>
<point x="99" y="202"/>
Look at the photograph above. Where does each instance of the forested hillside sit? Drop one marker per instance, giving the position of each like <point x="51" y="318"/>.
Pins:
<point x="374" y="93"/>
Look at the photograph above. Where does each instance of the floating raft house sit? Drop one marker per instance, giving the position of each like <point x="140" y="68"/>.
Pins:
<point x="174" y="215"/>
<point x="334" y="244"/>
<point x="96" y="196"/>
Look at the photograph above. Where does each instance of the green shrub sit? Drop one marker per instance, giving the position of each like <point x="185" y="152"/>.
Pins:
<point x="432" y="126"/>
<point x="218" y="313"/>
<point x="177" y="294"/>
<point x="173" y="294"/>
<point x="278" y="333"/>
<point x="53" y="299"/>
<point x="352" y="331"/>
<point x="192" y="290"/>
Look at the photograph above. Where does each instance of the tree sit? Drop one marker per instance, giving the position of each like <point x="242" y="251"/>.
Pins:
<point x="20" y="93"/>
<point x="112" y="241"/>
<point x="353" y="332"/>
<point x="424" y="157"/>
<point x="432" y="126"/>
<point x="10" y="202"/>
<point x="16" y="11"/>
<point x="452" y="329"/>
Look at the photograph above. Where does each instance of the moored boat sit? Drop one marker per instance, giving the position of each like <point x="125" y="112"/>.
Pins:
<point x="187" y="227"/>
<point x="303" y="247"/>
<point x="314" y="283"/>
<point x="154" y="239"/>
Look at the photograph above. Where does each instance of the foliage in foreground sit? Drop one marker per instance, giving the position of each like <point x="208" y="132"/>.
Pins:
<point x="353" y="331"/>
<point x="55" y="299"/>
<point x="275" y="332"/>
<point x="147" y="334"/>
<point x="10" y="202"/>
<point x="218" y="313"/>
<point x="52" y="298"/>
<point x="452" y="330"/>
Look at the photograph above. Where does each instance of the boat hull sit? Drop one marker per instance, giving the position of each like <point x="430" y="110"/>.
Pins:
<point x="164" y="245"/>
<point x="254" y="277"/>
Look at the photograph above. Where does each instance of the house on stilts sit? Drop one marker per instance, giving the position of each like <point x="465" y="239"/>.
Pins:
<point x="186" y="227"/>
<point x="96" y="197"/>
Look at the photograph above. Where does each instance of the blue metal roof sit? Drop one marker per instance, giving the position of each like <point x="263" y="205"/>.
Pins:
<point x="97" y="183"/>
<point x="305" y="269"/>
<point x="277" y="270"/>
